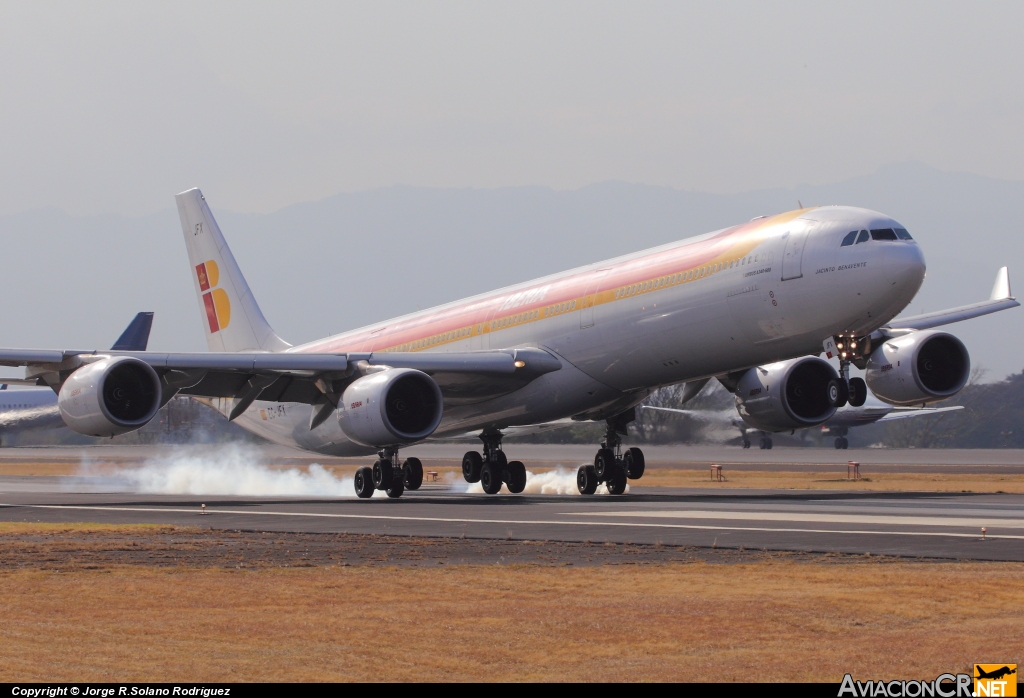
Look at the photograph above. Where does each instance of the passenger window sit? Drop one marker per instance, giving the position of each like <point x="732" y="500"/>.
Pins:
<point x="848" y="240"/>
<point x="883" y="234"/>
<point x="863" y="237"/>
<point x="902" y="234"/>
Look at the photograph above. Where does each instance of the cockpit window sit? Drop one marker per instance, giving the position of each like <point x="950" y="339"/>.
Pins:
<point x="848" y="240"/>
<point x="883" y="234"/>
<point x="863" y="237"/>
<point x="902" y="234"/>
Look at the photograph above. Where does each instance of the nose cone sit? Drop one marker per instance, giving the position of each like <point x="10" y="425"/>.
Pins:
<point x="905" y="268"/>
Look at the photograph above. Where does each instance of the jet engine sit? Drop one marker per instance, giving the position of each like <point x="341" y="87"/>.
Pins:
<point x="788" y="395"/>
<point x="391" y="407"/>
<point x="109" y="397"/>
<point x="918" y="368"/>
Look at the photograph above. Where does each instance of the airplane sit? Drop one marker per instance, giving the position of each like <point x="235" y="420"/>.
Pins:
<point x="995" y="674"/>
<point x="746" y="304"/>
<point x="36" y="408"/>
<point x="839" y="424"/>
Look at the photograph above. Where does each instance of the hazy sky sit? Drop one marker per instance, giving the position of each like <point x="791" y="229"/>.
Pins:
<point x="115" y="107"/>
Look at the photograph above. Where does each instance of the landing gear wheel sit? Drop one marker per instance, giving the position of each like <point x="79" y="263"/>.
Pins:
<point x="471" y="464"/>
<point x="769" y="442"/>
<point x="746" y="443"/>
<point x="383" y="474"/>
<point x="515" y="473"/>
<point x="586" y="479"/>
<point x="604" y="461"/>
<point x="413" y="471"/>
<point x="766" y="443"/>
<point x="364" y="482"/>
<point x="839" y="442"/>
<point x="634" y="462"/>
<point x="858" y="391"/>
<point x="616" y="480"/>
<point x="846" y="444"/>
<point x="397" y="488"/>
<point x="499" y="460"/>
<point x="490" y="478"/>
<point x="838" y="395"/>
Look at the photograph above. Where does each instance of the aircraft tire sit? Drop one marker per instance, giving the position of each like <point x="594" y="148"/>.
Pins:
<point x="604" y="461"/>
<point x="364" y="482"/>
<point x="586" y="479"/>
<point x="617" y="480"/>
<point x="471" y="464"/>
<point x="858" y="392"/>
<point x="516" y="477"/>
<point x="838" y="393"/>
<point x="383" y="474"/>
<point x="634" y="462"/>
<point x="839" y="442"/>
<point x="746" y="443"/>
<point x="413" y="470"/>
<point x="490" y="478"/>
<point x="500" y="461"/>
<point x="846" y="444"/>
<point x="397" y="488"/>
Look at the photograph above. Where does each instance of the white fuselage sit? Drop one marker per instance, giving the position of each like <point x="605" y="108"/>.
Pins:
<point x="768" y="290"/>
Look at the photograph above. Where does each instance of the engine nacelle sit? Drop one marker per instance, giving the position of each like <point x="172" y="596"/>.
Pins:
<point x="109" y="397"/>
<point x="792" y="394"/>
<point x="389" y="408"/>
<point x="918" y="368"/>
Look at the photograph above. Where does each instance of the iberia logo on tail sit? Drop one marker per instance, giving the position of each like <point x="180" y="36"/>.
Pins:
<point x="218" y="306"/>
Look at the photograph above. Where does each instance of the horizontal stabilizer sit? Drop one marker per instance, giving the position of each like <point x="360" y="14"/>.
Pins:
<point x="917" y="412"/>
<point x="1000" y="300"/>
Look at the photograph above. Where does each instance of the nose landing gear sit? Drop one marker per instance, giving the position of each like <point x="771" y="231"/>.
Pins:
<point x="612" y="466"/>
<point x="852" y="350"/>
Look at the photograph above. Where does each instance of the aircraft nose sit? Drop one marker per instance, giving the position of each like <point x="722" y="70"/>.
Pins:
<point x="905" y="265"/>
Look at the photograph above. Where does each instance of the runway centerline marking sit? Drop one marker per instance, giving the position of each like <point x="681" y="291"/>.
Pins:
<point x="616" y="524"/>
<point x="962" y="522"/>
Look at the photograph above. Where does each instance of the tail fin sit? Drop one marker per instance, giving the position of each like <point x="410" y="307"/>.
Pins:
<point x="136" y="336"/>
<point x="231" y="318"/>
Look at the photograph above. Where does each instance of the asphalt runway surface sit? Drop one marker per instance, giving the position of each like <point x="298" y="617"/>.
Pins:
<point x="933" y="525"/>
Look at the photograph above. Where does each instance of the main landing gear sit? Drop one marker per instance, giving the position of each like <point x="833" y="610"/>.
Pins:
<point x="389" y="474"/>
<point x="840" y="432"/>
<point x="493" y="469"/>
<point x="766" y="442"/>
<point x="612" y="466"/>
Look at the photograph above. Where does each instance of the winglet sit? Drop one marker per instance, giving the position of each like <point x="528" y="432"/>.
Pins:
<point x="136" y="336"/>
<point x="1001" y="289"/>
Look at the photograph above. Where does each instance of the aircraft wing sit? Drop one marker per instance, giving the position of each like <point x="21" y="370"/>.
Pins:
<point x="300" y="377"/>
<point x="1000" y="299"/>
<point x="917" y="412"/>
<point x="726" y="416"/>
<point x="518" y="430"/>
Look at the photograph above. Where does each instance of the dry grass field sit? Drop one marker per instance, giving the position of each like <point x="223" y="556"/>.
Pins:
<point x="70" y="613"/>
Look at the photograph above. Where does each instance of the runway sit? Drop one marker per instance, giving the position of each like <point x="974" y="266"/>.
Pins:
<point x="915" y="524"/>
<point x="903" y="524"/>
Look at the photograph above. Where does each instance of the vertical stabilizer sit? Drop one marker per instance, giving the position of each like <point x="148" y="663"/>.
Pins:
<point x="231" y="318"/>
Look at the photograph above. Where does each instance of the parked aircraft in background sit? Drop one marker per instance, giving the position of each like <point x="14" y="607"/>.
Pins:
<point x="36" y="408"/>
<point x="746" y="304"/>
<point x="839" y="424"/>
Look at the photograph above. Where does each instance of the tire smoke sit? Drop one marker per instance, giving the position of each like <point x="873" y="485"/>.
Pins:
<point x="229" y="469"/>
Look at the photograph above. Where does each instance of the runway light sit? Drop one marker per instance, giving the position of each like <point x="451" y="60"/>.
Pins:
<point x="204" y="508"/>
<point x="520" y="364"/>
<point x="983" y="532"/>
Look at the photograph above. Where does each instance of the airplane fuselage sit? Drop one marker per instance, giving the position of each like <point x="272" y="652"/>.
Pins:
<point x="763" y="291"/>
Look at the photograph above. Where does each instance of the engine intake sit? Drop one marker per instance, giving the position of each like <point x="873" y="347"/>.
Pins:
<point x="787" y="395"/>
<point x="111" y="396"/>
<point x="392" y="407"/>
<point x="918" y="368"/>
